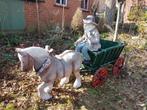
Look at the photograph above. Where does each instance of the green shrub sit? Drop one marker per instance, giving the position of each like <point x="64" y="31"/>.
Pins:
<point x="13" y="40"/>
<point x="141" y="28"/>
<point x="104" y="35"/>
<point x="2" y="35"/>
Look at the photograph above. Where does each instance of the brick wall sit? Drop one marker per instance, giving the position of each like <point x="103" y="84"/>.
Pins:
<point x="50" y="13"/>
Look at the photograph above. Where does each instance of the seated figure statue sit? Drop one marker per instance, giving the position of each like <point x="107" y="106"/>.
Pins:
<point x="90" y="41"/>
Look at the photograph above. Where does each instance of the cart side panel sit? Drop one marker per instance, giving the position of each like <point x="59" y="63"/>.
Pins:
<point x="106" y="56"/>
<point x="97" y="59"/>
<point x="119" y="50"/>
<point x="113" y="53"/>
<point x="107" y="44"/>
<point x="109" y="53"/>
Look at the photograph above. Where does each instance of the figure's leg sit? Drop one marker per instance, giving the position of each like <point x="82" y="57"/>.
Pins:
<point x="85" y="53"/>
<point x="77" y="82"/>
<point x="79" y="47"/>
<point x="44" y="90"/>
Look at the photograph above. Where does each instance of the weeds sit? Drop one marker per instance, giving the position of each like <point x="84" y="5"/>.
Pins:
<point x="10" y="40"/>
<point x="13" y="40"/>
<point x="9" y="106"/>
<point x="104" y="35"/>
<point x="2" y="35"/>
<point x="93" y="91"/>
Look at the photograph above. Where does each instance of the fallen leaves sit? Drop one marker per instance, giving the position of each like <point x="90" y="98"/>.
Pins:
<point x="18" y="89"/>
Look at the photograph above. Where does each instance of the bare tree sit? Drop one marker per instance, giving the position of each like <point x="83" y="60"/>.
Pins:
<point x="38" y="17"/>
<point x="94" y="7"/>
<point x="111" y="7"/>
<point x="110" y="11"/>
<point x="63" y="18"/>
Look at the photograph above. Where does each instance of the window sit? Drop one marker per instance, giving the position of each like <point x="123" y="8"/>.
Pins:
<point x="61" y="2"/>
<point x="84" y="4"/>
<point x="37" y="0"/>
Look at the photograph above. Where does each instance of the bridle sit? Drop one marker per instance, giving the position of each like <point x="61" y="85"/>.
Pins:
<point x="44" y="66"/>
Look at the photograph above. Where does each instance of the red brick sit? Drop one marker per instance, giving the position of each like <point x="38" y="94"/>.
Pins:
<point x="50" y="13"/>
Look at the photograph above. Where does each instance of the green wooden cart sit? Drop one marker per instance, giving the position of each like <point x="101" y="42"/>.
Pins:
<point x="109" y="54"/>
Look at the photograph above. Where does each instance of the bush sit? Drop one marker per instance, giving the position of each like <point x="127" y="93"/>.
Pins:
<point x="2" y="34"/>
<point x="77" y="21"/>
<point x="137" y="13"/>
<point x="104" y="35"/>
<point x="141" y="28"/>
<point x="10" y="40"/>
<point x="13" y="40"/>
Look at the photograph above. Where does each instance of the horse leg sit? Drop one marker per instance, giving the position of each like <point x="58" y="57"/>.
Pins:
<point x="64" y="80"/>
<point x="44" y="90"/>
<point x="77" y="82"/>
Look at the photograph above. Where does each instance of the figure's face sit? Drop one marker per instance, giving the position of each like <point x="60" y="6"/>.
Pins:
<point x="85" y="25"/>
<point x="26" y="61"/>
<point x="88" y="26"/>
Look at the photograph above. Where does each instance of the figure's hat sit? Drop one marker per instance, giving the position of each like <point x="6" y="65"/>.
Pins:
<point x="89" y="20"/>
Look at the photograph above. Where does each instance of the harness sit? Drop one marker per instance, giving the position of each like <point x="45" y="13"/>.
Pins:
<point x="63" y="66"/>
<point x="46" y="64"/>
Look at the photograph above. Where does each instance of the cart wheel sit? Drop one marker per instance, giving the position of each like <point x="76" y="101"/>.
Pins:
<point x="118" y="66"/>
<point x="99" y="77"/>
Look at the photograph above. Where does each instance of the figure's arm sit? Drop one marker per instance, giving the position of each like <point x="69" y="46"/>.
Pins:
<point x="81" y="39"/>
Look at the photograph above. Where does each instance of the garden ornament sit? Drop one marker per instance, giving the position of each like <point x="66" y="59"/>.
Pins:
<point x="50" y="67"/>
<point x="91" y="38"/>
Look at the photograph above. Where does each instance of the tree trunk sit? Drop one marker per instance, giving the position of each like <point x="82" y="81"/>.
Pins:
<point x="122" y="12"/>
<point x="95" y="7"/>
<point x="110" y="12"/>
<point x="38" y="18"/>
<point x="63" y="19"/>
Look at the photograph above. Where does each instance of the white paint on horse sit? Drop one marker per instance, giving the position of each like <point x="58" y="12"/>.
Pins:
<point x="38" y="53"/>
<point x="77" y="83"/>
<point x="20" y="57"/>
<point x="60" y="67"/>
<point x="44" y="89"/>
<point x="64" y="81"/>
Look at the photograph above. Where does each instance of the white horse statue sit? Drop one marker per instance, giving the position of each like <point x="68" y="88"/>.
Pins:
<point x="50" y="67"/>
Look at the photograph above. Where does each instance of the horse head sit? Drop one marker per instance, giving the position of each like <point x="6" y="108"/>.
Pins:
<point x="32" y="57"/>
<point x="25" y="59"/>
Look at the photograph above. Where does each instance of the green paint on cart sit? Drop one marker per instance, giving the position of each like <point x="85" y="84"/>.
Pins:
<point x="109" y="53"/>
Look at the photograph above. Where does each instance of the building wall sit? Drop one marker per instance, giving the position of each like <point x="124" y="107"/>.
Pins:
<point x="12" y="15"/>
<point x="50" y="13"/>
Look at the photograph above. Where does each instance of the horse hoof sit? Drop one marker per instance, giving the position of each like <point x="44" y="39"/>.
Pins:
<point x="77" y="84"/>
<point x="46" y="97"/>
